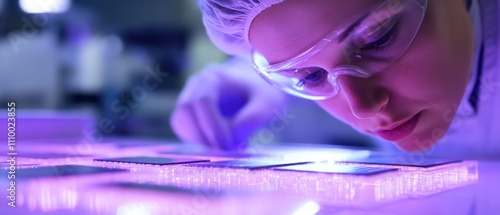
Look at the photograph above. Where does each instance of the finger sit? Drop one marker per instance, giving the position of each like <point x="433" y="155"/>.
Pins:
<point x="213" y="125"/>
<point x="184" y="124"/>
<point x="252" y="117"/>
<point x="183" y="120"/>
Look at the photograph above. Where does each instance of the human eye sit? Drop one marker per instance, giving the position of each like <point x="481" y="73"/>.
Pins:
<point x="312" y="77"/>
<point x="384" y="41"/>
<point x="377" y="36"/>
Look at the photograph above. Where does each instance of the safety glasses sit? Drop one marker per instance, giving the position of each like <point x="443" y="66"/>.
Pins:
<point x="369" y="45"/>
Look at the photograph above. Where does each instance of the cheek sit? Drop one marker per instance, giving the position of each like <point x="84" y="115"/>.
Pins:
<point x="335" y="108"/>
<point x="436" y="67"/>
<point x="339" y="108"/>
<point x="446" y="55"/>
<point x="435" y="72"/>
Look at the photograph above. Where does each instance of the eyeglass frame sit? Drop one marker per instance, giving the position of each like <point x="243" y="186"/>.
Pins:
<point x="345" y="69"/>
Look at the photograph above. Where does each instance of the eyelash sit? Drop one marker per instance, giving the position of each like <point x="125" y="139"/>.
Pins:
<point x="314" y="83"/>
<point x="390" y="38"/>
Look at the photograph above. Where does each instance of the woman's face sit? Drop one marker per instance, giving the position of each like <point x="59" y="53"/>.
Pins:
<point x="412" y="102"/>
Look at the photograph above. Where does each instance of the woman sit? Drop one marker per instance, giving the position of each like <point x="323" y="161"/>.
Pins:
<point x="413" y="72"/>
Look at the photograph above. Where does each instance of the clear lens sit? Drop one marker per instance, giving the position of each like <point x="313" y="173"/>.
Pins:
<point x="309" y="81"/>
<point x="369" y="46"/>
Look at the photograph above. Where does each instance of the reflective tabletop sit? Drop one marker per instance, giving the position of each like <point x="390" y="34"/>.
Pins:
<point x="130" y="176"/>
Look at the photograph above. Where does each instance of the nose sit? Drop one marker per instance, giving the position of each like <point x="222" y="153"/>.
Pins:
<point x="366" y="98"/>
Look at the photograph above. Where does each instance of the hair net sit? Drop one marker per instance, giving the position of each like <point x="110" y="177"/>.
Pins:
<point x="227" y="22"/>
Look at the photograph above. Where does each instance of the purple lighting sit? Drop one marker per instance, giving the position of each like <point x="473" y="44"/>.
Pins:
<point x="146" y="187"/>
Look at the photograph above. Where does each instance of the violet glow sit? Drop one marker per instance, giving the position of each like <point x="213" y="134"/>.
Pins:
<point x="91" y="193"/>
<point x="94" y="193"/>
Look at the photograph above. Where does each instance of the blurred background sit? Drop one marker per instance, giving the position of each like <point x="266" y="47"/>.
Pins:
<point x="120" y="64"/>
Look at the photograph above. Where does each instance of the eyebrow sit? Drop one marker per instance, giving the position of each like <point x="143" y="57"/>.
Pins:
<point x="348" y="31"/>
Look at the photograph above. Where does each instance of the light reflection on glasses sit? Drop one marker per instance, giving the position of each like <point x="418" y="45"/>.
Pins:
<point x="368" y="46"/>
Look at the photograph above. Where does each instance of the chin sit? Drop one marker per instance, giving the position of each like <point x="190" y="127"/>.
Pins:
<point x="425" y="136"/>
<point x="418" y="143"/>
<point x="414" y="145"/>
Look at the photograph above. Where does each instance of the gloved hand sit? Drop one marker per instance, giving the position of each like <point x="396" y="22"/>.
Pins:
<point x="223" y="105"/>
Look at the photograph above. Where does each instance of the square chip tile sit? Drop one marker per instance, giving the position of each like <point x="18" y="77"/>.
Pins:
<point x="151" y="160"/>
<point x="243" y="164"/>
<point x="336" y="169"/>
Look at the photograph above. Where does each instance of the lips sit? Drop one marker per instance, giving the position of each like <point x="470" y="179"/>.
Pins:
<point x="400" y="131"/>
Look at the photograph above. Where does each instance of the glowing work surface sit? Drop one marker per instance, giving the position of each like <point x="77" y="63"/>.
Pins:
<point x="150" y="178"/>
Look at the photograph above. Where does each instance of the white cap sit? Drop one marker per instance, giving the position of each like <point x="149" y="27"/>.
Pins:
<point x="227" y="22"/>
